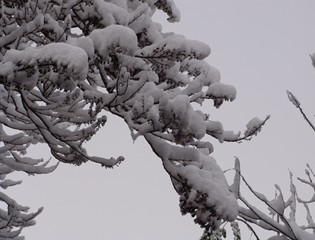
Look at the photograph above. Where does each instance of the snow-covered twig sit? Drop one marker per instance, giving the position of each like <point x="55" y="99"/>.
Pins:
<point x="288" y="226"/>
<point x="297" y="104"/>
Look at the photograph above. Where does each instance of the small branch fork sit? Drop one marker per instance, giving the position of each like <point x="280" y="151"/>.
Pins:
<point x="288" y="226"/>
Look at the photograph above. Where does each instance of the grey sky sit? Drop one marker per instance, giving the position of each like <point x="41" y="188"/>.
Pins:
<point x="261" y="47"/>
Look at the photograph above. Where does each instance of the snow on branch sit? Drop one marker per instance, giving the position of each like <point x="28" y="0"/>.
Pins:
<point x="64" y="65"/>
<point x="170" y="8"/>
<point x="220" y="92"/>
<point x="113" y="37"/>
<point x="297" y="104"/>
<point x="199" y="181"/>
<point x="282" y="217"/>
<point x="15" y="217"/>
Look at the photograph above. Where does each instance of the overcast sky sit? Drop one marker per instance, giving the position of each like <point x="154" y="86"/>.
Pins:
<point x="261" y="47"/>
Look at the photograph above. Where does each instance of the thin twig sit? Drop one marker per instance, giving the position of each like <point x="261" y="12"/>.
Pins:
<point x="249" y="226"/>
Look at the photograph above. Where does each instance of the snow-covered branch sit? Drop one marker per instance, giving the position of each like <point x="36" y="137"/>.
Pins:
<point x="293" y="99"/>
<point x="282" y="212"/>
<point x="199" y="181"/>
<point x="12" y="158"/>
<point x="65" y="64"/>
